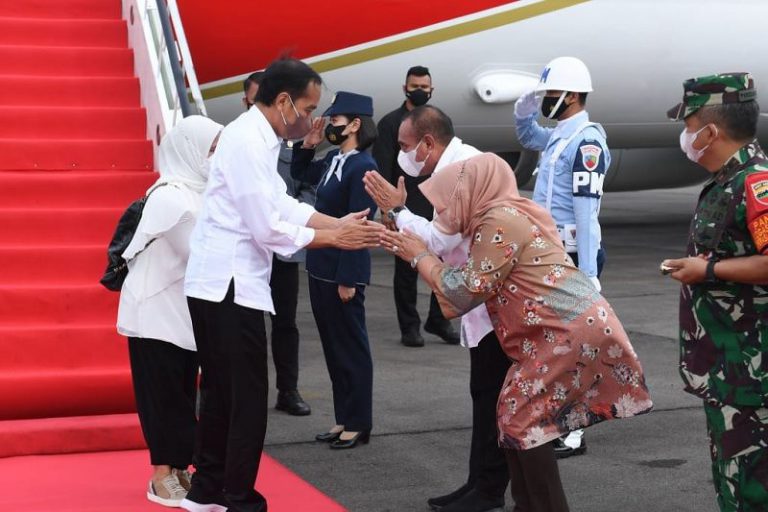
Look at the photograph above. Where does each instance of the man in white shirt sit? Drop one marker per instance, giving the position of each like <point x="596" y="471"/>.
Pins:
<point x="429" y="128"/>
<point x="246" y="217"/>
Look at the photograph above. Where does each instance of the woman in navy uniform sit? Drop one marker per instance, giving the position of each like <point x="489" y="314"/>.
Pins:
<point x="337" y="278"/>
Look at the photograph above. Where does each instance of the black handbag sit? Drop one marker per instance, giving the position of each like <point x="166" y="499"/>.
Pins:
<point x="117" y="267"/>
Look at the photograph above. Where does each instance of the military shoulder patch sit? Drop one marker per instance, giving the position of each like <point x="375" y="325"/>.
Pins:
<point x="590" y="156"/>
<point x="756" y="191"/>
<point x="589" y="170"/>
<point x="759" y="189"/>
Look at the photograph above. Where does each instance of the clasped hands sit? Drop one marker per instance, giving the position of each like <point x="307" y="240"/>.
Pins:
<point x="385" y="195"/>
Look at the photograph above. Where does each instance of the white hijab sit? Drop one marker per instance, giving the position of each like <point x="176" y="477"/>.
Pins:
<point x="183" y="163"/>
<point x="183" y="157"/>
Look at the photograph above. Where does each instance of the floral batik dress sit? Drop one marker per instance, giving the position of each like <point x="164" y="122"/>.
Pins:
<point x="572" y="363"/>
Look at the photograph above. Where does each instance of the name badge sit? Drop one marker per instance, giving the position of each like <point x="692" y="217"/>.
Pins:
<point x="568" y="236"/>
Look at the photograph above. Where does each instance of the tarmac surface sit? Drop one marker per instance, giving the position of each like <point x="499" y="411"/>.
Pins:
<point x="422" y="416"/>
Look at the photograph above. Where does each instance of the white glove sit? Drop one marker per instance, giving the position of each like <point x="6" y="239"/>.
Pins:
<point x="527" y="105"/>
<point x="596" y="282"/>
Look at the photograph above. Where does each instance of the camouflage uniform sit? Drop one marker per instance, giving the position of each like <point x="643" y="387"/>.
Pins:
<point x="724" y="325"/>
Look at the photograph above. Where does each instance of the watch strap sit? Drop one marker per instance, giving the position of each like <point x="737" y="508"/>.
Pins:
<point x="710" y="276"/>
<point x="416" y="259"/>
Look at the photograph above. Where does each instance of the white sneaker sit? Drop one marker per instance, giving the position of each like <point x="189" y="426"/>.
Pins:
<point x="191" y="506"/>
<point x="573" y="439"/>
<point x="185" y="478"/>
<point x="168" y="493"/>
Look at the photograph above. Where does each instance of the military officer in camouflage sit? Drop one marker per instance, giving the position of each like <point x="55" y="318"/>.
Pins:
<point x="724" y="297"/>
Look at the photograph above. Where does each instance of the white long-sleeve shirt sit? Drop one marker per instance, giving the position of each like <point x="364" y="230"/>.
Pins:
<point x="152" y="302"/>
<point x="454" y="249"/>
<point x="246" y="217"/>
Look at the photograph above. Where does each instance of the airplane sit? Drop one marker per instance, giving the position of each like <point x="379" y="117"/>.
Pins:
<point x="483" y="54"/>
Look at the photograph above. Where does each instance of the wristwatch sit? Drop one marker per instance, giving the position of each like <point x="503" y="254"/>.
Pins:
<point x="392" y="214"/>
<point x="709" y="276"/>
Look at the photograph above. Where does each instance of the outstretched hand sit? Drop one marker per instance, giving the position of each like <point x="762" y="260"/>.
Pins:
<point x="404" y="244"/>
<point x="358" y="234"/>
<point x="383" y="193"/>
<point x="351" y="217"/>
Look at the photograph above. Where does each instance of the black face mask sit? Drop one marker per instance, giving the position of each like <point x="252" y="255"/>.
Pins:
<point x="333" y="134"/>
<point x="548" y="103"/>
<point x="418" y="97"/>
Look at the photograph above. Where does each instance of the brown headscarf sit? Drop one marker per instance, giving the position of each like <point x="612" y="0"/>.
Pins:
<point x="462" y="193"/>
<point x="466" y="190"/>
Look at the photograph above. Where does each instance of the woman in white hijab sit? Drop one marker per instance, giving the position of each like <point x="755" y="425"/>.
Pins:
<point x="153" y="310"/>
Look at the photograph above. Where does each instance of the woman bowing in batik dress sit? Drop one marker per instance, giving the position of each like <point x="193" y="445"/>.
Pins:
<point x="572" y="363"/>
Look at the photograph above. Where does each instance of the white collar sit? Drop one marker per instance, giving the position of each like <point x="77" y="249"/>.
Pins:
<point x="449" y="153"/>
<point x="259" y="121"/>
<point x="338" y="160"/>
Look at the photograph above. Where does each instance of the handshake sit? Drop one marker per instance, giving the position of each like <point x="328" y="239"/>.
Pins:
<point x="355" y="231"/>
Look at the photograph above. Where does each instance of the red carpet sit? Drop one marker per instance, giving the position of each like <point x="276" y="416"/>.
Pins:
<point x="75" y="153"/>
<point x="116" y="482"/>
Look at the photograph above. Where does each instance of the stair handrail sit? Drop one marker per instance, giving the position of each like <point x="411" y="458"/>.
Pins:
<point x="169" y="45"/>
<point x="163" y="63"/>
<point x="186" y="57"/>
<point x="167" y="61"/>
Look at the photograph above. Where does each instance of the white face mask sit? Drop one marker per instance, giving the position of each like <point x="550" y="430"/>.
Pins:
<point x="409" y="164"/>
<point x="686" y="144"/>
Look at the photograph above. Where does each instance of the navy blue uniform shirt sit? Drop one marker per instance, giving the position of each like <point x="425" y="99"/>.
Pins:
<point x="337" y="197"/>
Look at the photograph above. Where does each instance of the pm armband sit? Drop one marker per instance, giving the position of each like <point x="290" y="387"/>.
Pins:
<point x="589" y="170"/>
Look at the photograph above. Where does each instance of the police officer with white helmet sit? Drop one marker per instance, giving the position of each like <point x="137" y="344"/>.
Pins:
<point x="569" y="183"/>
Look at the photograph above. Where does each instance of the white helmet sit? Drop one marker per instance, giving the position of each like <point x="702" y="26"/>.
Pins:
<point x="565" y="74"/>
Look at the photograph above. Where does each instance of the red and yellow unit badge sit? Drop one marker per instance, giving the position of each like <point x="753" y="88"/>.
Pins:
<point x="756" y="189"/>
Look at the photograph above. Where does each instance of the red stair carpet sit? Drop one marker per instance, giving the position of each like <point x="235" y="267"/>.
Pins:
<point x="73" y="155"/>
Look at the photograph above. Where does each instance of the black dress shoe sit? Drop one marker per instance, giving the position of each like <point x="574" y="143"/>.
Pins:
<point x="360" y="437"/>
<point x="563" y="451"/>
<point x="327" y="437"/>
<point x="412" y="339"/>
<point x="476" y="501"/>
<point x="439" y="502"/>
<point x="291" y="402"/>
<point x="444" y="330"/>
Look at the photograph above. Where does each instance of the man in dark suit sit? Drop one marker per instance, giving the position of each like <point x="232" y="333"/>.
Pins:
<point x="386" y="151"/>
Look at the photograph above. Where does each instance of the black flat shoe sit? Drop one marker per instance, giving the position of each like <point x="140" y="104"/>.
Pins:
<point x="439" y="502"/>
<point x="412" y="339"/>
<point x="362" y="437"/>
<point x="444" y="331"/>
<point x="475" y="501"/>
<point x="563" y="451"/>
<point x="327" y="437"/>
<point x="291" y="402"/>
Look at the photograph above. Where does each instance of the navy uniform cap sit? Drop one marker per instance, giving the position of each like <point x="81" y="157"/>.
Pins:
<point x="350" y="103"/>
